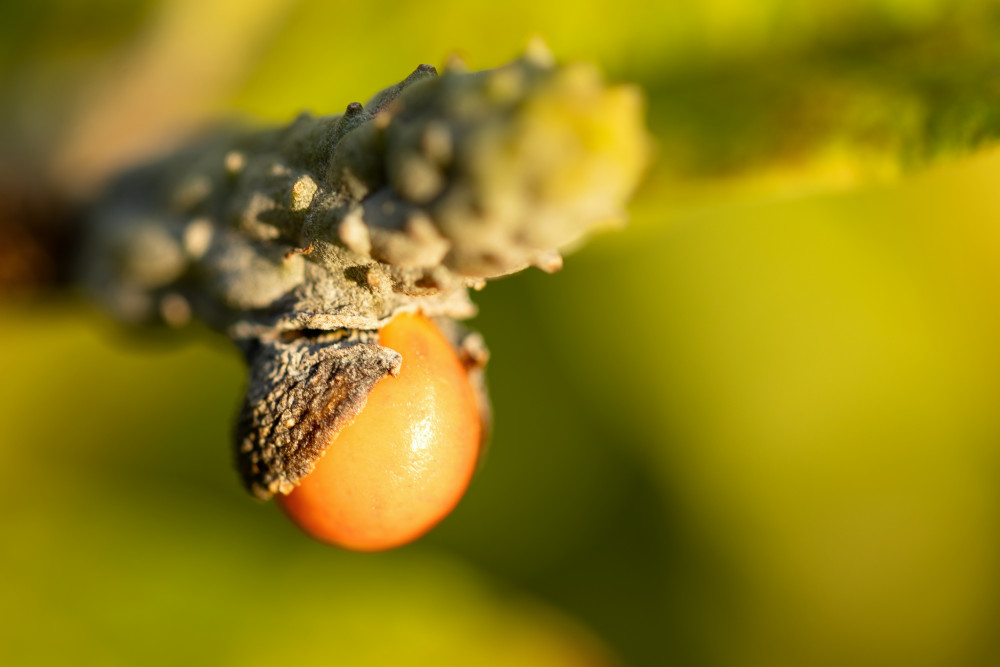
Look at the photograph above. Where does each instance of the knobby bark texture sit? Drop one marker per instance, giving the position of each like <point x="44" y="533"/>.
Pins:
<point x="301" y="242"/>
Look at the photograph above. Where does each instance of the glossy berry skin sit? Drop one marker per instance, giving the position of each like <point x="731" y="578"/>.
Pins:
<point x="406" y="460"/>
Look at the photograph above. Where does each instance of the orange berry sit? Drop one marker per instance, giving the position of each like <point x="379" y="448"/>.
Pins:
<point x="405" y="461"/>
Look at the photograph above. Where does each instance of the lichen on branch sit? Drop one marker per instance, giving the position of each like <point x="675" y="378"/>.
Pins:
<point x="435" y="184"/>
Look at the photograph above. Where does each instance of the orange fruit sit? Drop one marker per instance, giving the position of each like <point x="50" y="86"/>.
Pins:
<point x="406" y="460"/>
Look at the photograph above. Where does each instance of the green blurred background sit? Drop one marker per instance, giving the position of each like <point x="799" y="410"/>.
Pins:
<point x="758" y="427"/>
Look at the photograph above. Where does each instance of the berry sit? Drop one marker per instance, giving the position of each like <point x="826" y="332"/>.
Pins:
<point x="406" y="460"/>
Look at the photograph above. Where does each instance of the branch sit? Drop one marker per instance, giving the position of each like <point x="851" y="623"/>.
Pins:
<point x="868" y="105"/>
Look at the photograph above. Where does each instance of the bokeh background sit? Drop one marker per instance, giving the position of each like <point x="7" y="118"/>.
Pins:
<point x="758" y="427"/>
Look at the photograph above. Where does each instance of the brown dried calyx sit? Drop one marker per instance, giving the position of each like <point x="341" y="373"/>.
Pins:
<point x="336" y="223"/>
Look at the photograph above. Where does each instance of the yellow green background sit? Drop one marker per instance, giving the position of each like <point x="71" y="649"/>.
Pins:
<point x="759" y="427"/>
